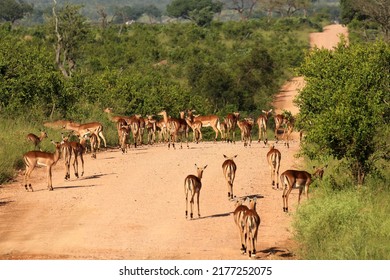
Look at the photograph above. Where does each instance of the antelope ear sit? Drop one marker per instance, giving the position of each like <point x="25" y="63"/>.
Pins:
<point x="237" y="201"/>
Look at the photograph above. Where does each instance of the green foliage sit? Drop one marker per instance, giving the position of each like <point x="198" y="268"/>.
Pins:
<point x="13" y="10"/>
<point x="345" y="225"/>
<point x="127" y="13"/>
<point x="343" y="106"/>
<point x="29" y="82"/>
<point x="364" y="17"/>
<point x="199" y="11"/>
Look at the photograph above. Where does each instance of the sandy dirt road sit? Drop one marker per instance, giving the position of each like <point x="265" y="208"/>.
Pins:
<point x="132" y="206"/>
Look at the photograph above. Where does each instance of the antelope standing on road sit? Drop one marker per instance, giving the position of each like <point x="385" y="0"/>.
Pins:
<point x="192" y="186"/>
<point x="252" y="223"/>
<point x="207" y="121"/>
<point x="231" y="124"/>
<point x="77" y="150"/>
<point x="239" y="214"/>
<point x="246" y="130"/>
<point x="83" y="129"/>
<point x="262" y="124"/>
<point x="229" y="168"/>
<point x="274" y="157"/>
<point x="196" y="129"/>
<point x="38" y="158"/>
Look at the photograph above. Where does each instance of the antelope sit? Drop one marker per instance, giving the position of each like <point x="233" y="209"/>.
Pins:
<point x="207" y="121"/>
<point x="67" y="153"/>
<point x="82" y="129"/>
<point x="174" y="127"/>
<point x="279" y="121"/>
<point x="184" y="123"/>
<point x="229" y="168"/>
<point x="161" y="129"/>
<point x="36" y="140"/>
<point x="262" y="123"/>
<point x="119" y="124"/>
<point x="56" y="124"/>
<point x="252" y="223"/>
<point x="274" y="157"/>
<point x="92" y="141"/>
<point x="38" y="158"/>
<point x="133" y="124"/>
<point x="246" y="130"/>
<point x="192" y="186"/>
<point x="111" y="117"/>
<point x="297" y="179"/>
<point x="287" y="124"/>
<point x="124" y="136"/>
<point x="287" y="131"/>
<point x="77" y="150"/>
<point x="231" y="124"/>
<point x="196" y="128"/>
<point x="239" y="214"/>
<point x="119" y="120"/>
<point x="150" y="124"/>
<point x="223" y="129"/>
<point x="141" y="129"/>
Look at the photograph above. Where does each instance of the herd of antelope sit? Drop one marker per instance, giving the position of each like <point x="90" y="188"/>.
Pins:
<point x="172" y="130"/>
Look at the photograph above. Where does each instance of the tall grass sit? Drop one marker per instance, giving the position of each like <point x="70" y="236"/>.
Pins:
<point x="350" y="223"/>
<point x="13" y="144"/>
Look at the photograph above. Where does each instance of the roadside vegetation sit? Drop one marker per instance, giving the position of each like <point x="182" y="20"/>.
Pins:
<point x="70" y="68"/>
<point x="345" y="111"/>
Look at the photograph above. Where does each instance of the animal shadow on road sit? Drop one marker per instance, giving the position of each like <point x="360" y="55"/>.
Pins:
<point x="74" y="187"/>
<point x="3" y="203"/>
<point x="251" y="196"/>
<point x="277" y="252"/>
<point x="214" y="216"/>
<point x="96" y="176"/>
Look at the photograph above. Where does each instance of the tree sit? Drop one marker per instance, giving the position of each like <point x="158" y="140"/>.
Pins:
<point x="194" y="10"/>
<point x="70" y="30"/>
<point x="103" y="17"/>
<point x="344" y="107"/>
<point x="244" y="7"/>
<point x="285" y="7"/>
<point x="152" y="12"/>
<point x="271" y="6"/>
<point x="12" y="10"/>
<point x="203" y="17"/>
<point x="377" y="11"/>
<point x="255" y="78"/>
